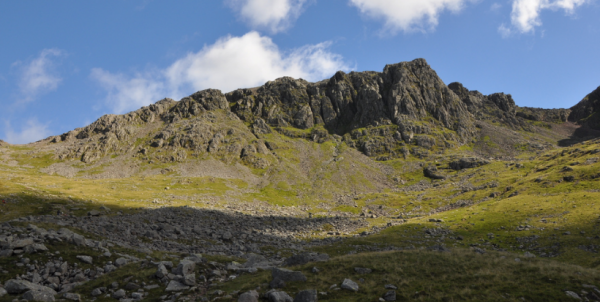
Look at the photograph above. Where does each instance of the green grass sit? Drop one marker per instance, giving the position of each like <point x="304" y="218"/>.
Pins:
<point x="460" y="275"/>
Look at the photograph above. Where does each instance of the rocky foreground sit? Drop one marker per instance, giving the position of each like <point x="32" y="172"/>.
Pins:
<point x="191" y="278"/>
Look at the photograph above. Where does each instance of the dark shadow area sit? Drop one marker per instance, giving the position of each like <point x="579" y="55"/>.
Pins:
<point x="182" y="229"/>
<point x="580" y="135"/>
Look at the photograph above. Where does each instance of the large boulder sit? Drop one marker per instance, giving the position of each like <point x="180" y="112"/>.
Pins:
<point x="250" y="296"/>
<point x="15" y="287"/>
<point x="40" y="296"/>
<point x="185" y="267"/>
<point x="279" y="296"/>
<point x="309" y="295"/>
<point x="287" y="275"/>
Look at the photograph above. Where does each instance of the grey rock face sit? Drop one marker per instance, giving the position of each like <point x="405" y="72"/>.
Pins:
<point x="279" y="296"/>
<point x="41" y="296"/>
<point x="287" y="275"/>
<point x="349" y="285"/>
<point x="309" y="295"/>
<point x="2" y="292"/>
<point x="250" y="296"/>
<point x="260" y="127"/>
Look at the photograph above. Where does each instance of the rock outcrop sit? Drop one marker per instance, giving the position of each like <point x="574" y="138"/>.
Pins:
<point x="587" y="111"/>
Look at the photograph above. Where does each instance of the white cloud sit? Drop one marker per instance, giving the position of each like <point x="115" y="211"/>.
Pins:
<point x="37" y="76"/>
<point x="525" y="15"/>
<point x="126" y="93"/>
<point x="495" y="7"/>
<point x="408" y="15"/>
<point x="230" y="63"/>
<point x="31" y="132"/>
<point x="504" y="31"/>
<point x="274" y="15"/>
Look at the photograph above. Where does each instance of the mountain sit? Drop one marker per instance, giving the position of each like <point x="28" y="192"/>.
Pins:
<point x="387" y="179"/>
<point x="404" y="111"/>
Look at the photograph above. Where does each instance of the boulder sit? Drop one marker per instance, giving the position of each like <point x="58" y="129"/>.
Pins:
<point x="161" y="271"/>
<point x="97" y="292"/>
<point x="390" y="295"/>
<point x="176" y="286"/>
<point x="309" y="295"/>
<point x="85" y="259"/>
<point x="121" y="261"/>
<point x="19" y="244"/>
<point x="432" y="172"/>
<point x="277" y="283"/>
<point x="348" y="284"/>
<point x="185" y="267"/>
<point x="279" y="296"/>
<point x="467" y="163"/>
<point x="15" y="287"/>
<point x="6" y="253"/>
<point x="120" y="294"/>
<point x="72" y="297"/>
<point x="41" y="296"/>
<point x="250" y="296"/>
<point x="287" y="275"/>
<point x="94" y="213"/>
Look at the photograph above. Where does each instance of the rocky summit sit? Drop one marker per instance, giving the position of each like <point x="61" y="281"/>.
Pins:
<point x="368" y="186"/>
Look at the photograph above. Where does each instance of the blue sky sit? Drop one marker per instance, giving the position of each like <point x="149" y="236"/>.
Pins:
<point x="65" y="63"/>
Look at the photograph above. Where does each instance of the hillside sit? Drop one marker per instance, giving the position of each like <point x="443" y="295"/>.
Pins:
<point x="392" y="178"/>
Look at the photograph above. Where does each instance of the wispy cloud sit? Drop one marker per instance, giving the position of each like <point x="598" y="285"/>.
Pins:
<point x="38" y="76"/>
<point x="407" y="15"/>
<point x="32" y="131"/>
<point x="273" y="15"/>
<point x="126" y="93"/>
<point x="525" y="15"/>
<point x="230" y="63"/>
<point x="495" y="7"/>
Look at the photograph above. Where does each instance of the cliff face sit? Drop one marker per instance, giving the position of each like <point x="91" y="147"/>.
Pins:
<point x="587" y="111"/>
<point x="406" y="110"/>
<point x="406" y="103"/>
